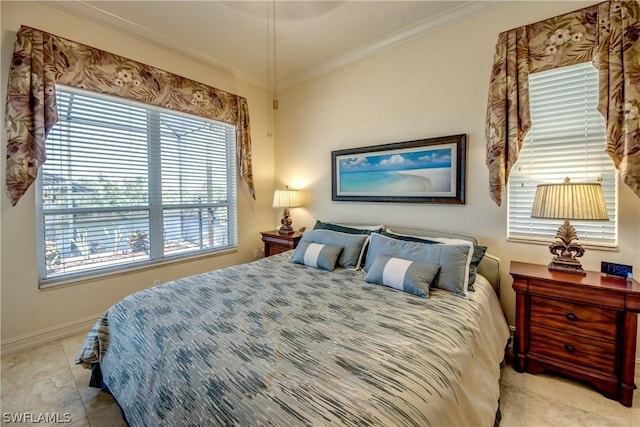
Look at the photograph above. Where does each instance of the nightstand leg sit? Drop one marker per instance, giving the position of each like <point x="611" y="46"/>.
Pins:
<point x="519" y="342"/>
<point x="628" y="359"/>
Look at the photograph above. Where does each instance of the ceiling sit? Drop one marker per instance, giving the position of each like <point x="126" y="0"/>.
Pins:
<point x="311" y="37"/>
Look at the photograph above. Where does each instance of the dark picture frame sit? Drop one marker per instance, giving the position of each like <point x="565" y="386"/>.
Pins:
<point x="429" y="170"/>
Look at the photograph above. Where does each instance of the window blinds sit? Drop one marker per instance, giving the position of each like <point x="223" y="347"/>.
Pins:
<point x="567" y="139"/>
<point x="126" y="183"/>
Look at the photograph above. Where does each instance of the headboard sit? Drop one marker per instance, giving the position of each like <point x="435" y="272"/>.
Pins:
<point x="489" y="267"/>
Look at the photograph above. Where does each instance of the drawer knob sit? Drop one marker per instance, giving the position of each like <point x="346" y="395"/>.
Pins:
<point x="569" y="348"/>
<point x="572" y="317"/>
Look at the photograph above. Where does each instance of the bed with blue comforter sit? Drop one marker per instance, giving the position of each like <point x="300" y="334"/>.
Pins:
<point x="277" y="343"/>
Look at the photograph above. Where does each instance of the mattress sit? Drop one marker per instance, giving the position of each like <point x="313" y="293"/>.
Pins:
<point x="277" y="343"/>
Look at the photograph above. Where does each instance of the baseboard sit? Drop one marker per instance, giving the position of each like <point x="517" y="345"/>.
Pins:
<point x="44" y="336"/>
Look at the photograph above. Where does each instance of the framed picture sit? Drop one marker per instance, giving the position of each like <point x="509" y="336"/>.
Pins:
<point x="422" y="171"/>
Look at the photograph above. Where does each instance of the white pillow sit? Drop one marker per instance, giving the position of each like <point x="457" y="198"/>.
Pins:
<point x="364" y="227"/>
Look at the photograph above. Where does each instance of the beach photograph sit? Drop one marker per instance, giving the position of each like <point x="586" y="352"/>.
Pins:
<point x="406" y="172"/>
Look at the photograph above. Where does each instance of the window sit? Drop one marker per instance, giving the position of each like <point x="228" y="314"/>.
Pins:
<point x="127" y="184"/>
<point x="567" y="138"/>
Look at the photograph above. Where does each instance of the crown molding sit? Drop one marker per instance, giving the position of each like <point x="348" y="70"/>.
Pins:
<point x="86" y="10"/>
<point x="466" y="10"/>
<point x="463" y="11"/>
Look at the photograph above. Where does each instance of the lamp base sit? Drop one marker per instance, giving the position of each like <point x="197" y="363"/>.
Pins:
<point x="566" y="249"/>
<point x="286" y="222"/>
<point x="286" y="230"/>
<point x="567" y="266"/>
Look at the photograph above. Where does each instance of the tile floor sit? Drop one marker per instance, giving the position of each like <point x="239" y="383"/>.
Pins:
<point x="45" y="380"/>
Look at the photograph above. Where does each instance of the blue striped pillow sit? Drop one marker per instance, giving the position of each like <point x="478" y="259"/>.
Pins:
<point x="317" y="255"/>
<point x="413" y="277"/>
<point x="352" y="244"/>
<point x="453" y="259"/>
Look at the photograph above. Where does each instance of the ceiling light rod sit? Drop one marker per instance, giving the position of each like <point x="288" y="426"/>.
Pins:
<point x="275" y="61"/>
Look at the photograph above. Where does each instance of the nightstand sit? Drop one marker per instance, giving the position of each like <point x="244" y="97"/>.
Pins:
<point x="275" y="243"/>
<point x="581" y="326"/>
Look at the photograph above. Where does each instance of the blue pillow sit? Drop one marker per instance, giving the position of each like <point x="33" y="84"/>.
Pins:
<point x="453" y="259"/>
<point x="351" y="230"/>
<point x="352" y="244"/>
<point x="317" y="255"/>
<point x="478" y="254"/>
<point x="408" y="276"/>
<point x="476" y="257"/>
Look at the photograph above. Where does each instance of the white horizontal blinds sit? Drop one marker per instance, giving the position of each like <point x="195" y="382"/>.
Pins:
<point x="567" y="139"/>
<point x="125" y="183"/>
<point x="98" y="148"/>
<point x="196" y="192"/>
<point x="94" y="186"/>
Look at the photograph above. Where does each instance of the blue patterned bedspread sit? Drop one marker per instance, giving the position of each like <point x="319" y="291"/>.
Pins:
<point x="277" y="343"/>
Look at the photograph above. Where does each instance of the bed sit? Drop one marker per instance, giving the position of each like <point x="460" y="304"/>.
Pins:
<point x="274" y="342"/>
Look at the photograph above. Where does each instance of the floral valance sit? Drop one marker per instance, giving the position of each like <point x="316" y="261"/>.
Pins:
<point x="42" y="60"/>
<point x="606" y="34"/>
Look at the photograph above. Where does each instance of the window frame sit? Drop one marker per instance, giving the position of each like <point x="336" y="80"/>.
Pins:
<point x="155" y="207"/>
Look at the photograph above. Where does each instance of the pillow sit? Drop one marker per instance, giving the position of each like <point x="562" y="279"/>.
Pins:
<point x="409" y="276"/>
<point x="476" y="256"/>
<point x="317" y="255"/>
<point x="351" y="230"/>
<point x="352" y="244"/>
<point x="344" y="228"/>
<point x="364" y="227"/>
<point x="453" y="259"/>
<point x="408" y="238"/>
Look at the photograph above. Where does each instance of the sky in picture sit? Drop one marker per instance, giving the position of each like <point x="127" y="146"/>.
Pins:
<point x="426" y="159"/>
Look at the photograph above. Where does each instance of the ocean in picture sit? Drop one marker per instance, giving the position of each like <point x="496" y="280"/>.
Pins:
<point x="405" y="182"/>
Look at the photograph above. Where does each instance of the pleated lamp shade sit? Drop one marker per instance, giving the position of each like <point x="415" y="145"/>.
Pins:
<point x="286" y="199"/>
<point x="579" y="201"/>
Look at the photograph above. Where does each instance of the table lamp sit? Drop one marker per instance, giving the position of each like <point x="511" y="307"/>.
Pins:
<point x="286" y="199"/>
<point x="568" y="201"/>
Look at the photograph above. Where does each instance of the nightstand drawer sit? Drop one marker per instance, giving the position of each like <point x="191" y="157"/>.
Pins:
<point x="277" y="249"/>
<point x="596" y="354"/>
<point x="576" y="318"/>
<point x="583" y="295"/>
<point x="275" y="243"/>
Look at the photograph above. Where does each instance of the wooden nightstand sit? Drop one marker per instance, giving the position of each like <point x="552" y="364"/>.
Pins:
<point x="275" y="243"/>
<point x="582" y="326"/>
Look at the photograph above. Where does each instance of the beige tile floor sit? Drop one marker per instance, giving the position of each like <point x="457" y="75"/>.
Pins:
<point x="45" y="380"/>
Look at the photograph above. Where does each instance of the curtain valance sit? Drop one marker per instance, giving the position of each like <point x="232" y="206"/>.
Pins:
<point x="42" y="60"/>
<point x="606" y="34"/>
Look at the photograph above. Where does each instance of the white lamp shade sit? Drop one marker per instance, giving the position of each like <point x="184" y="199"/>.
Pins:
<point x="569" y="201"/>
<point x="286" y="199"/>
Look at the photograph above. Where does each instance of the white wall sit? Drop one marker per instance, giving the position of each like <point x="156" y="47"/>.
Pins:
<point x="31" y="315"/>
<point x="432" y="86"/>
